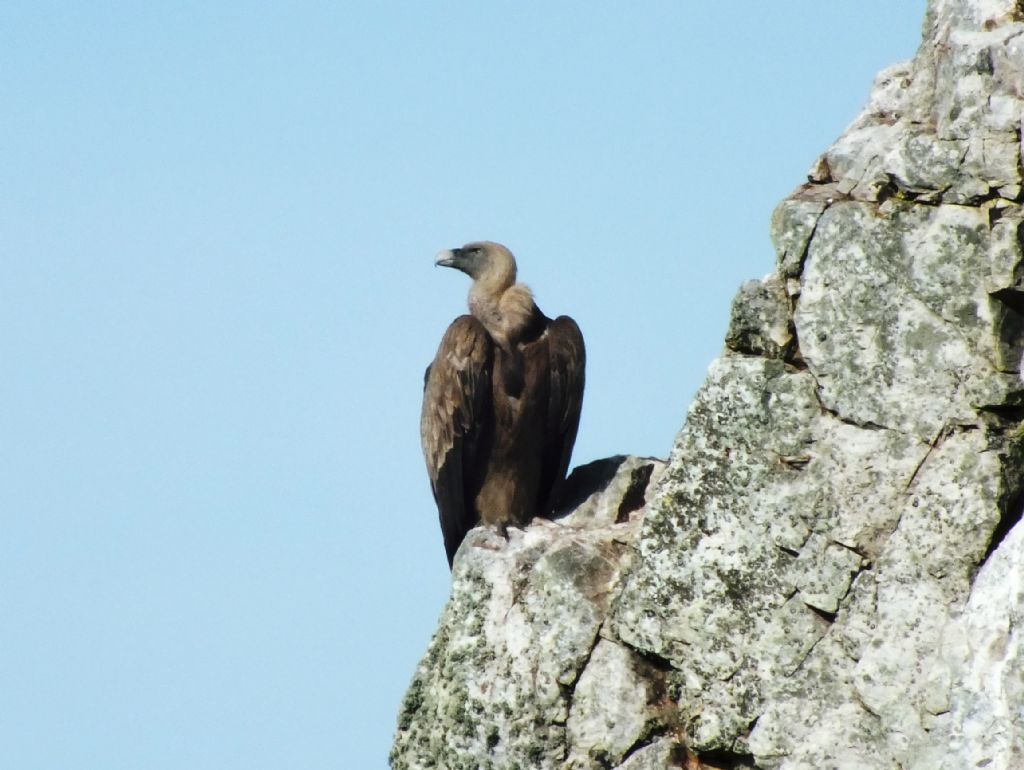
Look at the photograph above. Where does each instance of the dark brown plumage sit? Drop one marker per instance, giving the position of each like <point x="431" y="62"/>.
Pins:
<point x="501" y="401"/>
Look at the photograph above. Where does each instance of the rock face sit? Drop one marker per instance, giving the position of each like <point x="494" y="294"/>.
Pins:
<point x="518" y="674"/>
<point x="827" y="574"/>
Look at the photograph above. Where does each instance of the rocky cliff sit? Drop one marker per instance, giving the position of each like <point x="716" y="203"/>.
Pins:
<point x="826" y="574"/>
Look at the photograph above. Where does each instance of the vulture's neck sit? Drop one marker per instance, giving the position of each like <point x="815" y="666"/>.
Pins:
<point x="503" y="307"/>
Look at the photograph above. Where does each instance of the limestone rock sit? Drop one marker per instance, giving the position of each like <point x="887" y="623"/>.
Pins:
<point x="985" y="646"/>
<point x="497" y="686"/>
<point x="829" y="572"/>
<point x="618" y="699"/>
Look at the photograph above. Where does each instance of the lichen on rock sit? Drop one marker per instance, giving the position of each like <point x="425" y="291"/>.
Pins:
<point x="497" y="686"/>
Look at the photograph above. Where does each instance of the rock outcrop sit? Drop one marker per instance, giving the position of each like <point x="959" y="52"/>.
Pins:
<point x="517" y="674"/>
<point x="827" y="574"/>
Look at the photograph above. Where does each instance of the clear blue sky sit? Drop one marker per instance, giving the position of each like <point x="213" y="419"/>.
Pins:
<point x="217" y="228"/>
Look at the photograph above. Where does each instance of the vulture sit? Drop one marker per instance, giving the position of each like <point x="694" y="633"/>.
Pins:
<point x="501" y="401"/>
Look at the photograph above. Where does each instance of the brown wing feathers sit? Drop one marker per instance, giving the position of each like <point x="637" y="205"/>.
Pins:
<point x="567" y="357"/>
<point x="456" y="400"/>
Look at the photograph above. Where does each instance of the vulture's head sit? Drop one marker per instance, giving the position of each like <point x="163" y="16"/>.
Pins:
<point x="482" y="261"/>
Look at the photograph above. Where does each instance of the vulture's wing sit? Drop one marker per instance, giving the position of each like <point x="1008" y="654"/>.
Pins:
<point x="567" y="360"/>
<point x="456" y="399"/>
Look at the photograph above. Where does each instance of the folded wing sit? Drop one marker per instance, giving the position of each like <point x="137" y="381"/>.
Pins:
<point x="567" y="357"/>
<point x="455" y="416"/>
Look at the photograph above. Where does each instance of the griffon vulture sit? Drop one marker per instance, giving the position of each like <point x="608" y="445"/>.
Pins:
<point x="501" y="401"/>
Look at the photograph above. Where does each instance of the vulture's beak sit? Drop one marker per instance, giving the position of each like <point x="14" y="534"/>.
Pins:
<point x="451" y="258"/>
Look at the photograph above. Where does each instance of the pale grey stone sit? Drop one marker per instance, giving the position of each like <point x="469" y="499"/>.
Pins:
<point x="709" y="585"/>
<point x="792" y="226"/>
<point x="660" y="755"/>
<point x="825" y="571"/>
<point x="614" y="705"/>
<point x="985" y="649"/>
<point x="496" y="685"/>
<point x="942" y="127"/>
<point x="890" y="295"/>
